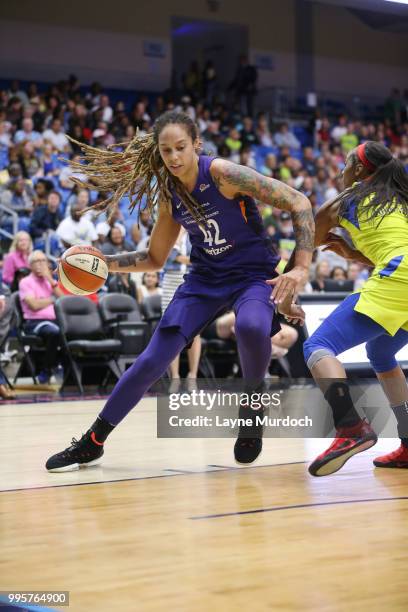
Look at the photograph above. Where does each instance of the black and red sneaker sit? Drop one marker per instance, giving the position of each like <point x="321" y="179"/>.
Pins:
<point x="82" y="453"/>
<point x="395" y="459"/>
<point x="348" y="442"/>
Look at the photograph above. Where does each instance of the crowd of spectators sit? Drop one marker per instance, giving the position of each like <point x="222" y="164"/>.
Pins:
<point x="38" y="196"/>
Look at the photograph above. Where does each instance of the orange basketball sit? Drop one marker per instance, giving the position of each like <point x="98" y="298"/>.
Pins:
<point x="83" y="270"/>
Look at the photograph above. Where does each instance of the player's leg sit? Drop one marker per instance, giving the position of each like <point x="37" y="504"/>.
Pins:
<point x="193" y="355"/>
<point x="254" y="314"/>
<point x="148" y="367"/>
<point x="341" y="330"/>
<point x="185" y="316"/>
<point x="174" y="368"/>
<point x="381" y="352"/>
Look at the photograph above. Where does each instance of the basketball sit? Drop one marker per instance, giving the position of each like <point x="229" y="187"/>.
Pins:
<point x="83" y="270"/>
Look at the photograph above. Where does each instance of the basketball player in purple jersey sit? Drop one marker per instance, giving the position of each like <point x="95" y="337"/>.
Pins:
<point x="233" y="265"/>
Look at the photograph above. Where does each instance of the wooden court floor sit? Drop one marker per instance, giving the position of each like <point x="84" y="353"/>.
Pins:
<point x="175" y="525"/>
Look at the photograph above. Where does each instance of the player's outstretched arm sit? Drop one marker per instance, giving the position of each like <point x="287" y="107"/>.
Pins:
<point x="234" y="181"/>
<point x="162" y="240"/>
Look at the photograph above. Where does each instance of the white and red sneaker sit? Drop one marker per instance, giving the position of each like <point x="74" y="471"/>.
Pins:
<point x="348" y="442"/>
<point x="395" y="459"/>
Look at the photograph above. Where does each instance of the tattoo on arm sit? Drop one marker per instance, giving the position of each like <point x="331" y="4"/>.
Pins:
<point x="304" y="228"/>
<point x="217" y="181"/>
<point x="262" y="188"/>
<point x="125" y="260"/>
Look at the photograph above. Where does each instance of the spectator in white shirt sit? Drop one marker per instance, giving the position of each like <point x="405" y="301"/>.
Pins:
<point x="76" y="229"/>
<point x="56" y="136"/>
<point x="104" y="227"/>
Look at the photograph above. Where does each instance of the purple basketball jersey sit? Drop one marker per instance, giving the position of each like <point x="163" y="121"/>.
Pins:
<point x="234" y="244"/>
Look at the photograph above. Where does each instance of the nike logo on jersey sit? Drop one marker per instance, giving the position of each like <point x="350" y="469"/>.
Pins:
<point x="178" y="205"/>
<point x="203" y="187"/>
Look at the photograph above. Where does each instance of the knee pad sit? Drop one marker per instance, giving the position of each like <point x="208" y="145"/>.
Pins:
<point x="313" y="351"/>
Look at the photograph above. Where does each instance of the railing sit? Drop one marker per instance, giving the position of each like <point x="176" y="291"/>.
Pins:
<point x="14" y="217"/>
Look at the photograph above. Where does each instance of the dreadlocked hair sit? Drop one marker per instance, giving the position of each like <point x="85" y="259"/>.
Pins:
<point x="384" y="191"/>
<point x="136" y="170"/>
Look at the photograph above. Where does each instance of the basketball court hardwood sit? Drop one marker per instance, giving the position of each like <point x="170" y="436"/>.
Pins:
<point x="177" y="525"/>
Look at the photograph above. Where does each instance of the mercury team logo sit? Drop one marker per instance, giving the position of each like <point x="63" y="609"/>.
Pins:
<point x="203" y="187"/>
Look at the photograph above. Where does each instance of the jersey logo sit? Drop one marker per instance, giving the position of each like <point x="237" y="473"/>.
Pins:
<point x="203" y="187"/>
<point x="178" y="205"/>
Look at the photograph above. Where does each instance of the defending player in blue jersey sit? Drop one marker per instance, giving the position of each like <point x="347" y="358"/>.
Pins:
<point x="233" y="265"/>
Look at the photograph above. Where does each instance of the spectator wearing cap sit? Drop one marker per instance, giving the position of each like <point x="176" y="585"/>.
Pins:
<point x="98" y="137"/>
<point x="102" y="132"/>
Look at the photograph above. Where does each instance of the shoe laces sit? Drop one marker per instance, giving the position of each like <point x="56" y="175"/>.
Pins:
<point x="76" y="443"/>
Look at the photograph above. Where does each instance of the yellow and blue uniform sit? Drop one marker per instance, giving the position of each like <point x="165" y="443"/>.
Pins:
<point x="378" y="313"/>
<point x="384" y="297"/>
